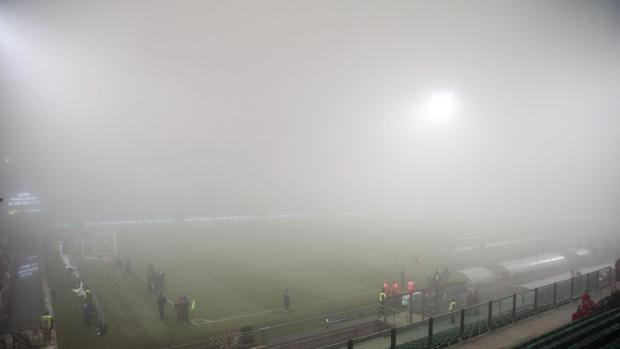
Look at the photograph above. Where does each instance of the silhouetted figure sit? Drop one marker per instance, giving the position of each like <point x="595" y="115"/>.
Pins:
<point x="445" y="273"/>
<point x="185" y="309"/>
<point x="85" y="312"/>
<point x="286" y="300"/>
<point x="382" y="300"/>
<point x="161" y="302"/>
<point x="452" y="310"/>
<point x="47" y="324"/>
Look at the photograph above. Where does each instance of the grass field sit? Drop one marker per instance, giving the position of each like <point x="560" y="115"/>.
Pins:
<point x="238" y="272"/>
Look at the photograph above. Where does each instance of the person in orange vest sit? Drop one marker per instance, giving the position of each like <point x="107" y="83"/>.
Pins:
<point x="386" y="287"/>
<point x="410" y="286"/>
<point x="395" y="288"/>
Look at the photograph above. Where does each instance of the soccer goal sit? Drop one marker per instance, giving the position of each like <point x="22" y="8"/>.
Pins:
<point x="98" y="243"/>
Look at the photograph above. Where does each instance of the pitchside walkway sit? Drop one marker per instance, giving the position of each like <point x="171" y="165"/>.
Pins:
<point x="31" y="296"/>
<point x="526" y="329"/>
<point x="27" y="292"/>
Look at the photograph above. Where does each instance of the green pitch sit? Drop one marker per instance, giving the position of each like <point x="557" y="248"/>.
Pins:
<point x="237" y="273"/>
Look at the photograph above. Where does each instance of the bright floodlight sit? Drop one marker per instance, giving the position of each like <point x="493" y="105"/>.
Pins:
<point x="441" y="105"/>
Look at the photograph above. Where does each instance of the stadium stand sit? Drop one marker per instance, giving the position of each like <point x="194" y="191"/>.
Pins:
<point x="596" y="331"/>
<point x="5" y="277"/>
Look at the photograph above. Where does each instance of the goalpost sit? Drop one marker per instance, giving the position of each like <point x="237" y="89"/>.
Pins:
<point x="98" y="243"/>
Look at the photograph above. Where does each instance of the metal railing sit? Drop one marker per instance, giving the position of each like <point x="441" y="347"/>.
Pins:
<point x="448" y="328"/>
<point x="331" y="327"/>
<point x="296" y="333"/>
<point x="319" y="323"/>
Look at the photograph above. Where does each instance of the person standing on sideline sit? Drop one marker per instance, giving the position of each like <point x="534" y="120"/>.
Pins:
<point x="161" y="302"/>
<point x="437" y="277"/>
<point x="410" y="286"/>
<point x="451" y="309"/>
<point x="185" y="309"/>
<point x="395" y="293"/>
<point x="382" y="299"/>
<point x="178" y="306"/>
<point x="47" y="324"/>
<point x="287" y="301"/>
<point x="395" y="289"/>
<point x="445" y="274"/>
<point x="88" y="293"/>
<point x="85" y="312"/>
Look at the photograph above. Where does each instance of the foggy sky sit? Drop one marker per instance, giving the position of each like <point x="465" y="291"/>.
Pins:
<point x="120" y="108"/>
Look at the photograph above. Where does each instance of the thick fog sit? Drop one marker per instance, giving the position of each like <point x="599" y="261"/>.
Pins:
<point x="119" y="109"/>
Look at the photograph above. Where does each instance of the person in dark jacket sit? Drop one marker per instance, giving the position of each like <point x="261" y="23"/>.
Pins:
<point x="85" y="312"/>
<point x="161" y="302"/>
<point x="185" y="309"/>
<point x="286" y="300"/>
<point x="445" y="274"/>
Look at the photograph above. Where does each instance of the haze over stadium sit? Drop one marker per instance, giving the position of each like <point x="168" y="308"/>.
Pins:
<point x="321" y="147"/>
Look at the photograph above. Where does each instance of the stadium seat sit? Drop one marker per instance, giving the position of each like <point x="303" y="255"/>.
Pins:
<point x="592" y="332"/>
<point x="612" y="345"/>
<point x="555" y="333"/>
<point x="599" y="338"/>
<point x="445" y="338"/>
<point x="575" y="332"/>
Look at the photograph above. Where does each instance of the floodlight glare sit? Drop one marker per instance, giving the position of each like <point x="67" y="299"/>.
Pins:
<point x="441" y="105"/>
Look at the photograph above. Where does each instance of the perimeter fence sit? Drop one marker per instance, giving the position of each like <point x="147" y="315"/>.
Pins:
<point x="452" y="327"/>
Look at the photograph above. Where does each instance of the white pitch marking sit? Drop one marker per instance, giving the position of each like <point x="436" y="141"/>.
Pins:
<point x="279" y="310"/>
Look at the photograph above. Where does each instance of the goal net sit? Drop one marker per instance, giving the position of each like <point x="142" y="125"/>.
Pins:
<point x="98" y="243"/>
